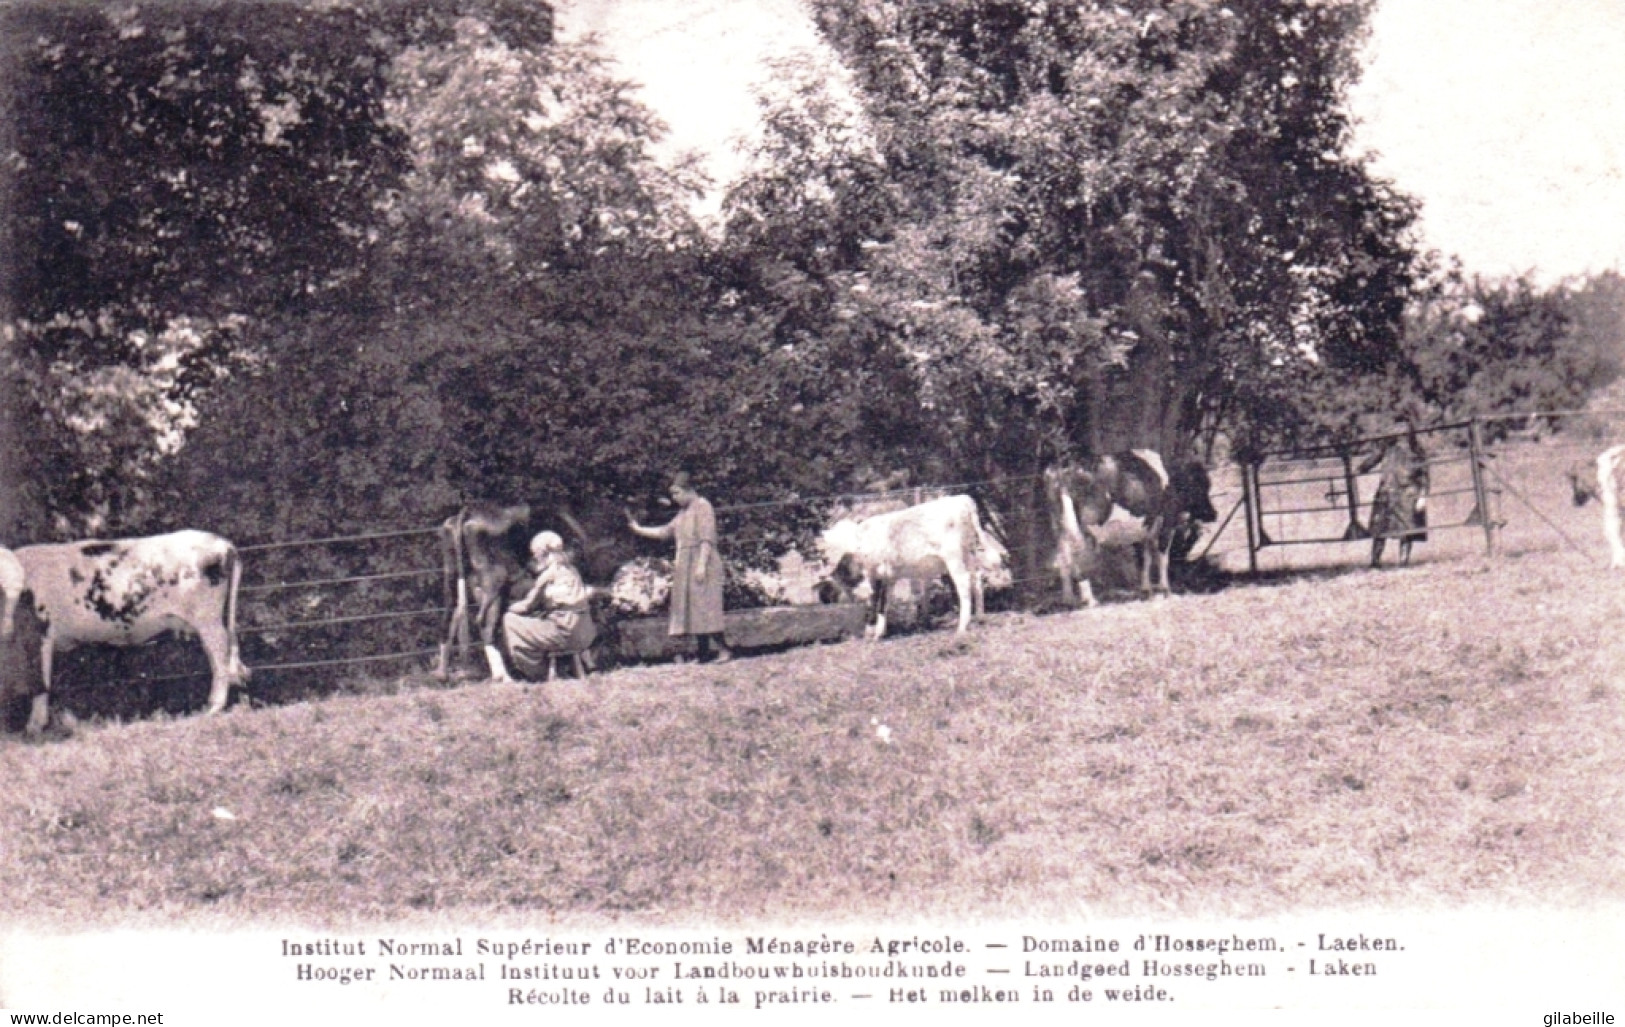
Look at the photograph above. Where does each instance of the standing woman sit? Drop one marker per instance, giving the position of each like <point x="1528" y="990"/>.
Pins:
<point x="696" y="586"/>
<point x="1400" y="507"/>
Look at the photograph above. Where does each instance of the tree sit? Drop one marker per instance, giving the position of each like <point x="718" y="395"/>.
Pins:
<point x="1122" y="224"/>
<point x="538" y="319"/>
<point x="177" y="176"/>
<point x="1477" y="347"/>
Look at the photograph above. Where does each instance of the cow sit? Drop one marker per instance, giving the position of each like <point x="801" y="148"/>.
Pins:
<point x="1607" y="485"/>
<point x="942" y="536"/>
<point x="12" y="583"/>
<point x="1082" y="499"/>
<point x="1399" y="507"/>
<point x="485" y="548"/>
<point x="130" y="591"/>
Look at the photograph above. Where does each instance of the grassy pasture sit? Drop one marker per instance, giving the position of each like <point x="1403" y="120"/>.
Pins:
<point x="1452" y="732"/>
<point x="1326" y="737"/>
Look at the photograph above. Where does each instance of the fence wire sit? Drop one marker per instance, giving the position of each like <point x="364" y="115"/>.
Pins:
<point x="907" y="494"/>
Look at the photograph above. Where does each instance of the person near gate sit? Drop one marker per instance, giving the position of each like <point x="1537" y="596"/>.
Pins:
<point x="697" y="572"/>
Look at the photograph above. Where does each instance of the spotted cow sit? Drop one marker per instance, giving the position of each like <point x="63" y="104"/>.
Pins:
<point x="940" y="537"/>
<point x="130" y="591"/>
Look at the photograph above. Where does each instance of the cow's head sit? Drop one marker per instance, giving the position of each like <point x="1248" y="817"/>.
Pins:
<point x="1582" y="482"/>
<point x="830" y="592"/>
<point x="1191" y="485"/>
<point x="847" y="573"/>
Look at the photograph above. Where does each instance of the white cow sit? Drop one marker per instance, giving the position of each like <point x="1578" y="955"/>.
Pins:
<point x="130" y="591"/>
<point x="943" y="536"/>
<point x="1610" y="483"/>
<point x="12" y="583"/>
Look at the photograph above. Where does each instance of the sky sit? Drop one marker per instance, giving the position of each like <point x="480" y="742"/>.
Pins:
<point x="1506" y="118"/>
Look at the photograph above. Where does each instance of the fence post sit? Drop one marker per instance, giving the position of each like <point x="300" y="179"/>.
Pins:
<point x="1249" y="490"/>
<point x="1351" y="484"/>
<point x="1475" y="450"/>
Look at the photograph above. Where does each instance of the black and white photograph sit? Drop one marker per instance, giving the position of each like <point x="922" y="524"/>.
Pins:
<point x="818" y="511"/>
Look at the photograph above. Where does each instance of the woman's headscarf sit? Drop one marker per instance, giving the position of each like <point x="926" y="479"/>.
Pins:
<point x="546" y="542"/>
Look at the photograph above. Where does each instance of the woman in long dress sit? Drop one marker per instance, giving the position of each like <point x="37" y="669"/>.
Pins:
<point x="553" y="618"/>
<point x="697" y="573"/>
<point x="1399" y="508"/>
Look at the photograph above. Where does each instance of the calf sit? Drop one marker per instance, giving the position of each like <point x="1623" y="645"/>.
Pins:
<point x="1077" y="551"/>
<point x="943" y="536"/>
<point x="1609" y="483"/>
<point x="130" y="591"/>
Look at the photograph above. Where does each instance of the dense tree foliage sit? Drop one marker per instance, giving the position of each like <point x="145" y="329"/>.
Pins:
<point x="276" y="269"/>
<point x="1478" y="347"/>
<point x="1121" y="224"/>
<point x="172" y="169"/>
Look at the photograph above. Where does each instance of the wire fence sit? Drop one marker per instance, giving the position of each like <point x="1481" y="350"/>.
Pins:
<point x="326" y="597"/>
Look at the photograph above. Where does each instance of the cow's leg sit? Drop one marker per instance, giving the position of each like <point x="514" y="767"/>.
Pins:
<point x="964" y="584"/>
<point x="217" y="646"/>
<point x="1159" y="558"/>
<point x="40" y="712"/>
<point x="499" y="669"/>
<point x="1611" y="529"/>
<point x="456" y="631"/>
<point x="1076" y="588"/>
<point x="1066" y="564"/>
<point x="490" y="614"/>
<point x="1377" y="542"/>
<point x="1068" y="595"/>
<point x="879" y="591"/>
<point x="1616" y="547"/>
<point x="1153" y="567"/>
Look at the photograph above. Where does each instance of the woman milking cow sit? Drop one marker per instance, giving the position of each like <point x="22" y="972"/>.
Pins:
<point x="553" y="618"/>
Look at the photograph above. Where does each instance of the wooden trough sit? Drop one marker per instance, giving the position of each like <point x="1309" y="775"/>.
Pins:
<point x="645" y="638"/>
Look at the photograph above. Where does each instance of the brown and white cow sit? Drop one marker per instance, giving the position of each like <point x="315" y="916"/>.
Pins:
<point x="940" y="537"/>
<point x="130" y="591"/>
<point x="1083" y="498"/>
<point x="1607" y="485"/>
<point x="485" y="548"/>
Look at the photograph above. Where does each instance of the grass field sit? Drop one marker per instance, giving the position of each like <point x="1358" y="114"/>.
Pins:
<point x="1453" y="732"/>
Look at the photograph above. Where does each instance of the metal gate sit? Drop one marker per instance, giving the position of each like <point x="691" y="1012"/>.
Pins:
<point x="1321" y="494"/>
